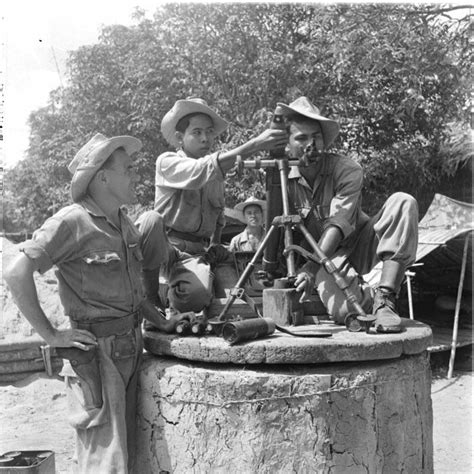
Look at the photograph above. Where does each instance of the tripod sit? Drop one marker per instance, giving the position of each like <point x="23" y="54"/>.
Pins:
<point x="355" y="321"/>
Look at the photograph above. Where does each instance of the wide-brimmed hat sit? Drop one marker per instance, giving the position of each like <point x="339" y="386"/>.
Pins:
<point x="251" y="201"/>
<point x="303" y="106"/>
<point x="184" y="107"/>
<point x="92" y="156"/>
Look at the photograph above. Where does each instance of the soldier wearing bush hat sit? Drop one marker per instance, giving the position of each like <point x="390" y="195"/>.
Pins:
<point x="95" y="249"/>
<point x="252" y="212"/>
<point x="327" y="193"/>
<point x="189" y="195"/>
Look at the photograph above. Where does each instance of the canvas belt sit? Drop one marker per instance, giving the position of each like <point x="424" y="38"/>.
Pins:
<point x="110" y="327"/>
<point x="186" y="236"/>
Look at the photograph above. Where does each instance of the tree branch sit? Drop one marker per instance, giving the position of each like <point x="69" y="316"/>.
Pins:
<point x="440" y="10"/>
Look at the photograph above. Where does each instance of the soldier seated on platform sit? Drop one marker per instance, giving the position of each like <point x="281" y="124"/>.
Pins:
<point x="189" y="202"/>
<point x="95" y="248"/>
<point x="327" y="194"/>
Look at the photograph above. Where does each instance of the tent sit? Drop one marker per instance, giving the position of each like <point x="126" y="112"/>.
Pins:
<point x="445" y="251"/>
<point x="442" y="236"/>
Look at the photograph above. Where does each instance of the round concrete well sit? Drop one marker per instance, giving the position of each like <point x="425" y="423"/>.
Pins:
<point x="348" y="404"/>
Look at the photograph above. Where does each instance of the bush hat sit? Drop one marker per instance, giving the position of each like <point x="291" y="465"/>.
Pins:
<point x="303" y="106"/>
<point x="184" y="107"/>
<point x="251" y="201"/>
<point x="92" y="156"/>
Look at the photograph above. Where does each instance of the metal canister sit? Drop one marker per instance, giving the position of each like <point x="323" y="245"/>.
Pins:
<point x="247" y="329"/>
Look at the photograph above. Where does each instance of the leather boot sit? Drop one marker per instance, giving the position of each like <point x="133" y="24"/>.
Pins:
<point x="384" y="310"/>
<point x="392" y="276"/>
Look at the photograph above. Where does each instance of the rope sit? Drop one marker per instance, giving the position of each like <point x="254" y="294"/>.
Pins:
<point x="319" y="394"/>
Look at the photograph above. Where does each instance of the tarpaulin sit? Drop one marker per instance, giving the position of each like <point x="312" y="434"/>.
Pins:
<point x="442" y="232"/>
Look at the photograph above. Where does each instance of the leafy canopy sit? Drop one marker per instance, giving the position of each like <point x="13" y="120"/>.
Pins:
<point x="395" y="76"/>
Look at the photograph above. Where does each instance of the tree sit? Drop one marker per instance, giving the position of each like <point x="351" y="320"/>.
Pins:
<point x="394" y="75"/>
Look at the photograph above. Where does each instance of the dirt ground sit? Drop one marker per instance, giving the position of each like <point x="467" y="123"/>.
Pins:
<point x="33" y="412"/>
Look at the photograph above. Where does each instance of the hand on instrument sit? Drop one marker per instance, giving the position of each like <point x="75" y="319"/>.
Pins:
<point x="270" y="139"/>
<point x="265" y="278"/>
<point x="304" y="284"/>
<point x="79" y="338"/>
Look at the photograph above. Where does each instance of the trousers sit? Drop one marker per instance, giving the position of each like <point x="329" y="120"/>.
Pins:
<point x="105" y="422"/>
<point x="186" y="279"/>
<point x="392" y="234"/>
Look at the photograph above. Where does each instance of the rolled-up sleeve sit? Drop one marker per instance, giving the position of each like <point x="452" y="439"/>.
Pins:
<point x="345" y="204"/>
<point x="175" y="170"/>
<point x="49" y="245"/>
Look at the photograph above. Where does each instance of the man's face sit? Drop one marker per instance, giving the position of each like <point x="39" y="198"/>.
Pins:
<point x="306" y="137"/>
<point x="199" y="137"/>
<point x="253" y="215"/>
<point x="122" y="178"/>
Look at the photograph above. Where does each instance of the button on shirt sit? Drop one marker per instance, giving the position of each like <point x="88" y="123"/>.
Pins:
<point x="98" y="265"/>
<point x="334" y="199"/>
<point x="189" y="193"/>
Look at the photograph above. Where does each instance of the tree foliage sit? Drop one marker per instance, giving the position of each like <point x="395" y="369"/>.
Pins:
<point x="395" y="76"/>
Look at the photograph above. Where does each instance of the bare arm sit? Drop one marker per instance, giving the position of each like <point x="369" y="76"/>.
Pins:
<point x="267" y="140"/>
<point x="20" y="281"/>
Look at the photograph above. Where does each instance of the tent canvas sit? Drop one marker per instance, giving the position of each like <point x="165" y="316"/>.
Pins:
<point x="444" y="220"/>
<point x="440" y="243"/>
<point x="442" y="233"/>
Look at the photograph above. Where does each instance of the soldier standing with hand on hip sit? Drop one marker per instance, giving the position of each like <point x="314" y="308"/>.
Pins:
<point x="95" y="248"/>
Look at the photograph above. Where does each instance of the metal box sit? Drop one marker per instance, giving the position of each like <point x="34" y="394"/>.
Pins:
<point x="27" y="462"/>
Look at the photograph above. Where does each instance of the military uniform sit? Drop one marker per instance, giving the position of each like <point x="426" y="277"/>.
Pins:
<point x="189" y="203"/>
<point x="99" y="282"/>
<point x="335" y="199"/>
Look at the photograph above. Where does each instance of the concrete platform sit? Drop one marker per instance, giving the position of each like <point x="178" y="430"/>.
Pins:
<point x="280" y="348"/>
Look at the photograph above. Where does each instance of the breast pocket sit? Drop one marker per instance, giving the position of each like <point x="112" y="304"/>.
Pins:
<point x="102" y="275"/>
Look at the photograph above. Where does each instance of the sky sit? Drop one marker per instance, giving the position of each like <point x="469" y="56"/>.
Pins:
<point x="36" y="37"/>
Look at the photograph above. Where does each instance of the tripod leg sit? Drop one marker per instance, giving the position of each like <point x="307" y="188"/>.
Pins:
<point x="238" y="290"/>
<point x="321" y="258"/>
<point x="288" y="233"/>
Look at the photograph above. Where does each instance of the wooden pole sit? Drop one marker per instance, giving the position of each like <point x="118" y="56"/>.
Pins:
<point x="458" y="307"/>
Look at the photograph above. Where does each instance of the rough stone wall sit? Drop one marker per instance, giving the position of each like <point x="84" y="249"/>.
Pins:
<point x="335" y="418"/>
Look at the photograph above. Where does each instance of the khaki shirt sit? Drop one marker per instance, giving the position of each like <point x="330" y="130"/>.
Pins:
<point x="98" y="265"/>
<point x="189" y="193"/>
<point x="241" y="243"/>
<point x="334" y="199"/>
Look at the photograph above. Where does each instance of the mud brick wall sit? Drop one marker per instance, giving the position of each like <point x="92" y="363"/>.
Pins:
<point x="338" y="418"/>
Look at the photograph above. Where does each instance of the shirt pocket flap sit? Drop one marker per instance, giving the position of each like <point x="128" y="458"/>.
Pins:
<point x="101" y="257"/>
